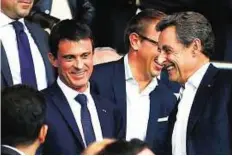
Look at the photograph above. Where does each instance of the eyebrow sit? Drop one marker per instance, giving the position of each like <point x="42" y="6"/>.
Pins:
<point x="166" y="47"/>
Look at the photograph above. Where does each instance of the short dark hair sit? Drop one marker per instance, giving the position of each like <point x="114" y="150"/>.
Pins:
<point x="23" y="114"/>
<point x="189" y="26"/>
<point x="139" y="23"/>
<point x="123" y="147"/>
<point x="68" y="30"/>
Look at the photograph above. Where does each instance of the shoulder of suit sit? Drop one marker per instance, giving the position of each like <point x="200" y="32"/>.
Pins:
<point x="106" y="65"/>
<point x="104" y="101"/>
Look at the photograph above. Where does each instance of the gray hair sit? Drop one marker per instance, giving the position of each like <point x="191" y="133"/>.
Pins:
<point x="189" y="26"/>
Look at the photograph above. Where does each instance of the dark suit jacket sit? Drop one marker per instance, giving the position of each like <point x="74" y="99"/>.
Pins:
<point x="63" y="134"/>
<point x="80" y="9"/>
<point x="41" y="40"/>
<point x="8" y="151"/>
<point x="109" y="81"/>
<point x="209" y="129"/>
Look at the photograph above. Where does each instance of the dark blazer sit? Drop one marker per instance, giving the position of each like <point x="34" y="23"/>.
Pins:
<point x="209" y="130"/>
<point x="41" y="40"/>
<point x="80" y="9"/>
<point x="8" y="151"/>
<point x="63" y="134"/>
<point x="109" y="81"/>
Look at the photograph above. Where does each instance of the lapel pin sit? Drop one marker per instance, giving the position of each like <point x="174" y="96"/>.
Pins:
<point x="104" y="110"/>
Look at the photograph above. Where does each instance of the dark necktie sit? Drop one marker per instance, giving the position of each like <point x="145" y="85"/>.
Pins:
<point x="25" y="58"/>
<point x="86" y="119"/>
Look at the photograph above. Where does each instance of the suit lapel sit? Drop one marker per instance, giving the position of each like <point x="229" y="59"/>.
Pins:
<point x="104" y="120"/>
<point x="5" y="67"/>
<point x="62" y="104"/>
<point x="201" y="97"/>
<point x="119" y="85"/>
<point x="39" y="41"/>
<point x="153" y="116"/>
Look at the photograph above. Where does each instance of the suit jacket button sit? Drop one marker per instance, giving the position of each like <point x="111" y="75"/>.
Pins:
<point x="47" y="11"/>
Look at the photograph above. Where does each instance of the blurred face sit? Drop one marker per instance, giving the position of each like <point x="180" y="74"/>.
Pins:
<point x="146" y="151"/>
<point x="16" y="9"/>
<point x="74" y="62"/>
<point x="148" y="51"/>
<point x="178" y="58"/>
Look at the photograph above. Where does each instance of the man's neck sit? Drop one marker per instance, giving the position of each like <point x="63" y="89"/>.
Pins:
<point x="140" y="76"/>
<point x="28" y="150"/>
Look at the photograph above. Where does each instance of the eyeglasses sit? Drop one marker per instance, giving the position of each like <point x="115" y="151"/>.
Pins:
<point x="148" y="39"/>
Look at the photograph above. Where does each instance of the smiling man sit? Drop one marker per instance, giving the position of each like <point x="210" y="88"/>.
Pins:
<point x="201" y="123"/>
<point x="76" y="116"/>
<point x="132" y="82"/>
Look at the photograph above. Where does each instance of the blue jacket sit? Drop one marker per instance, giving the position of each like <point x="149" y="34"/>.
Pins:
<point x="109" y="81"/>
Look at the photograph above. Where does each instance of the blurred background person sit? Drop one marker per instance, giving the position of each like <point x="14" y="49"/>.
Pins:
<point x="97" y="146"/>
<point x="24" y="47"/>
<point x="22" y="120"/>
<point x="119" y="147"/>
<point x="79" y="10"/>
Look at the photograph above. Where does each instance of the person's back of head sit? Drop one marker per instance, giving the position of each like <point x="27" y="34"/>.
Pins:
<point x="122" y="147"/>
<point x="23" y="113"/>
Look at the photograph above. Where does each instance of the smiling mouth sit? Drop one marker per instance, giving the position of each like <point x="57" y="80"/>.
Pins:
<point x="170" y="67"/>
<point x="25" y="1"/>
<point x="158" y="65"/>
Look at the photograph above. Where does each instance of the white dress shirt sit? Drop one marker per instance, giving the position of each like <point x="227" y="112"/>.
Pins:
<point x="184" y="107"/>
<point x="9" y="42"/>
<point x="60" y="9"/>
<point x="138" y="105"/>
<point x="15" y="149"/>
<point x="70" y="95"/>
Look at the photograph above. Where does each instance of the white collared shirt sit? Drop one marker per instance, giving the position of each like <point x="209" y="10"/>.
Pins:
<point x="138" y="105"/>
<point x="57" y="7"/>
<point x="15" y="149"/>
<point x="179" y="134"/>
<point x="70" y="95"/>
<point x="9" y="42"/>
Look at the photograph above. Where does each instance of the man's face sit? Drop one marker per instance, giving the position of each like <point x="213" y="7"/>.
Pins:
<point x="74" y="62"/>
<point x="148" y="51"/>
<point x="16" y="9"/>
<point x="178" y="58"/>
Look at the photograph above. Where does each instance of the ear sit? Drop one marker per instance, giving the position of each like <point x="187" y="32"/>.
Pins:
<point x="196" y="47"/>
<point x="43" y="133"/>
<point x="134" y="41"/>
<point x="52" y="59"/>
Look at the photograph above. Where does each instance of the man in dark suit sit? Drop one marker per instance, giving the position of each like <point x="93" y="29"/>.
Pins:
<point x="76" y="116"/>
<point x="24" y="48"/>
<point x="132" y="82"/>
<point x="201" y="122"/>
<point x="80" y="10"/>
<point x="22" y="113"/>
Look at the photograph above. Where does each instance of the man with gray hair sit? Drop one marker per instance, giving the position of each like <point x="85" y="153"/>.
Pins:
<point x="201" y="123"/>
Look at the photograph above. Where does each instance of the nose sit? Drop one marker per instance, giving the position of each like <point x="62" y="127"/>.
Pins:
<point x="162" y="58"/>
<point x="79" y="64"/>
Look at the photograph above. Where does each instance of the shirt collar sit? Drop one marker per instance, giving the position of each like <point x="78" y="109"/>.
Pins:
<point x="15" y="149"/>
<point x="128" y="73"/>
<point x="196" y="78"/>
<point x="69" y="92"/>
<point x="129" y="76"/>
<point x="5" y="20"/>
